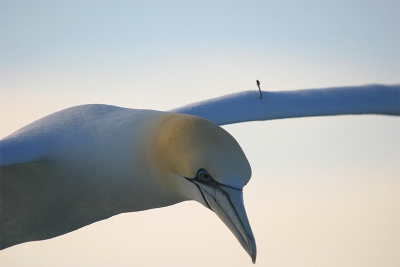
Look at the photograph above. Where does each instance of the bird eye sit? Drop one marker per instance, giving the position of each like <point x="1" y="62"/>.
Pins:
<point x="204" y="176"/>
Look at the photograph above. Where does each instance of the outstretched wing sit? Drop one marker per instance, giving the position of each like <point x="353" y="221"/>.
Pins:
<point x="247" y="106"/>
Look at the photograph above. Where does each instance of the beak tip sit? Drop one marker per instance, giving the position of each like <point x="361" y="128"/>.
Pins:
<point x="252" y="249"/>
<point x="253" y="256"/>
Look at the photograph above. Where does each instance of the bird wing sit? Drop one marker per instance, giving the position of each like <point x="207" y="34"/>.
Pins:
<point x="14" y="151"/>
<point x="30" y="143"/>
<point x="25" y="186"/>
<point x="61" y="129"/>
<point x="247" y="106"/>
<point x="23" y="192"/>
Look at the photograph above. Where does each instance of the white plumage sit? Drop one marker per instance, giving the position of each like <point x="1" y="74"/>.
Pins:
<point x="88" y="163"/>
<point x="91" y="162"/>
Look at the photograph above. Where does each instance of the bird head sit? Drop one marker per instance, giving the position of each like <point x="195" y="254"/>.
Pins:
<point x="211" y="165"/>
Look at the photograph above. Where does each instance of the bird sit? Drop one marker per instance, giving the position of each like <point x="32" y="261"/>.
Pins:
<point x="88" y="163"/>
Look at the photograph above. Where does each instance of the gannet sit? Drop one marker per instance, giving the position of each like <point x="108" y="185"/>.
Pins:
<point x="88" y="163"/>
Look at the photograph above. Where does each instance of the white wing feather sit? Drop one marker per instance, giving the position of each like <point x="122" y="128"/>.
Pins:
<point x="247" y="106"/>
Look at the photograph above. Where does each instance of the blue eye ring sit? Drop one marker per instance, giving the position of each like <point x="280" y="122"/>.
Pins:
<point x="204" y="176"/>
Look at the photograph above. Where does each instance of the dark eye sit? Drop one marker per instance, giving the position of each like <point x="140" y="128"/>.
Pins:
<point x="204" y="176"/>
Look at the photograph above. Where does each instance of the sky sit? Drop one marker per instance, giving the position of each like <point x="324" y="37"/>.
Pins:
<point x="324" y="191"/>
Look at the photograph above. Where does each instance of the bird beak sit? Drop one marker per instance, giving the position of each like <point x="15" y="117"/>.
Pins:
<point x="228" y="204"/>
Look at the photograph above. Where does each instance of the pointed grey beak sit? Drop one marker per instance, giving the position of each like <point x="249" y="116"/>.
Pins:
<point x="228" y="204"/>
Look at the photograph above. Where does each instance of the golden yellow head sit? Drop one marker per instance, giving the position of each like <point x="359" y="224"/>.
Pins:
<point x="187" y="143"/>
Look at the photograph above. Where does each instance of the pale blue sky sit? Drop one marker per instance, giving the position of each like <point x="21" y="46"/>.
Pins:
<point x="324" y="192"/>
<point x="40" y="33"/>
<point x="134" y="35"/>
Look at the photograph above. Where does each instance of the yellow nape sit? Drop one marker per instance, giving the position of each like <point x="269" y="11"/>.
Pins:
<point x="185" y="144"/>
